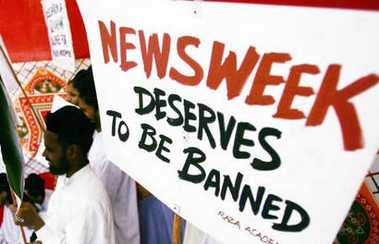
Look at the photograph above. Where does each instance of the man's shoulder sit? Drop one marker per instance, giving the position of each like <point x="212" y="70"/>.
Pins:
<point x="92" y="188"/>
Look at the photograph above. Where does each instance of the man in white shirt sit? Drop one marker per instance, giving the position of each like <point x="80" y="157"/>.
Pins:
<point x="121" y="188"/>
<point x="79" y="211"/>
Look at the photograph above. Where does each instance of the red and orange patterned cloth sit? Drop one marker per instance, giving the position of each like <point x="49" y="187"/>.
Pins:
<point x="362" y="223"/>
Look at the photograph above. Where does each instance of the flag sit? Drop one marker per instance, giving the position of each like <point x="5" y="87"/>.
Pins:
<point x="10" y="147"/>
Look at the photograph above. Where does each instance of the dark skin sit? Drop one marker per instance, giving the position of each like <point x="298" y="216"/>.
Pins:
<point x="3" y="198"/>
<point x="91" y="112"/>
<point x="72" y="93"/>
<point x="63" y="160"/>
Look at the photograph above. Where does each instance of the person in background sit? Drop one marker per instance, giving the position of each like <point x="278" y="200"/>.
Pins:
<point x="35" y="191"/>
<point x="72" y="93"/>
<point x="120" y="187"/>
<point x="35" y="194"/>
<point x="5" y="204"/>
<point x="5" y="192"/>
<point x="156" y="219"/>
<point x="79" y="210"/>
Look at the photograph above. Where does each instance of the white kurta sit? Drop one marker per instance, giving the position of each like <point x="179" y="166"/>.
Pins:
<point x="79" y="212"/>
<point x="12" y="232"/>
<point x="121" y="189"/>
<point x="2" y="237"/>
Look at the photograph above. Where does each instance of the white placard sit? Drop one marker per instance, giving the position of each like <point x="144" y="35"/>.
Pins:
<point x="255" y="123"/>
<point x="58" y="28"/>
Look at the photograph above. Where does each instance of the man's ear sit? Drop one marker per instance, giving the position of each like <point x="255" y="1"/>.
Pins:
<point x="73" y="152"/>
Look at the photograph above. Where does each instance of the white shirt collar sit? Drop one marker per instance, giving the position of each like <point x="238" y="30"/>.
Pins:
<point x="76" y="175"/>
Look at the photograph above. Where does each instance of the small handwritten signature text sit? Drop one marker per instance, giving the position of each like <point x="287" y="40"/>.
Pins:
<point x="249" y="229"/>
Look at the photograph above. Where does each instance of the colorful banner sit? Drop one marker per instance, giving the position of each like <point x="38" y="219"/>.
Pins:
<point x="362" y="222"/>
<point x="256" y="131"/>
<point x="41" y="81"/>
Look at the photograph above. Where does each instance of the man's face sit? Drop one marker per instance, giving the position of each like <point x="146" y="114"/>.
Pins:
<point x="88" y="110"/>
<point x="72" y="94"/>
<point x="55" y="154"/>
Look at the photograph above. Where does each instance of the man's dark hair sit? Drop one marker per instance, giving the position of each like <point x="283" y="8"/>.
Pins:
<point x="71" y="126"/>
<point x="35" y="186"/>
<point x="85" y="84"/>
<point x="4" y="187"/>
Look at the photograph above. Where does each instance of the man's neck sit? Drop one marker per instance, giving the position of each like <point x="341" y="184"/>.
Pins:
<point x="77" y="167"/>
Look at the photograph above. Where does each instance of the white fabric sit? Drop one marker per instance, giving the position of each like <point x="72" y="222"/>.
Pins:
<point x="59" y="102"/>
<point x="122" y="191"/>
<point x="193" y="235"/>
<point x="11" y="232"/>
<point x="2" y="237"/>
<point x="79" y="212"/>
